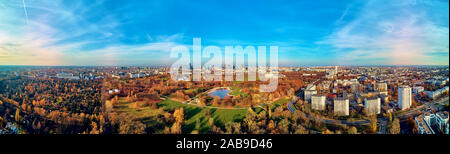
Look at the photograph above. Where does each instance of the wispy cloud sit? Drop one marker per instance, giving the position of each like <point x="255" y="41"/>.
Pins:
<point x="343" y="15"/>
<point x="57" y="34"/>
<point x="25" y="10"/>
<point x="84" y="32"/>
<point x="397" y="32"/>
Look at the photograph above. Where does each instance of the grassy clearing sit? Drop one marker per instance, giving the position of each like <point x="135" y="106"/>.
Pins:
<point x="128" y="107"/>
<point x="280" y="102"/>
<point x="193" y="112"/>
<point x="143" y="114"/>
<point x="235" y="91"/>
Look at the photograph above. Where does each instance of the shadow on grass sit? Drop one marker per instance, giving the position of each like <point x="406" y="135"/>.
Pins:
<point x="190" y="112"/>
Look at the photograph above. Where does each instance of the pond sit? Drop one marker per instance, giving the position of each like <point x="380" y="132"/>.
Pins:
<point x="220" y="92"/>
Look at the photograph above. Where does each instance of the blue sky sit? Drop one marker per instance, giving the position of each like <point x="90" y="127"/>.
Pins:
<point x="134" y="32"/>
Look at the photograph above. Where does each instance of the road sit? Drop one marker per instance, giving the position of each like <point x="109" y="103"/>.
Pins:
<point x="420" y="109"/>
<point x="289" y="106"/>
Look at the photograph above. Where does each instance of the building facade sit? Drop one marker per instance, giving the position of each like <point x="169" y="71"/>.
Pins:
<point x="309" y="93"/>
<point x="341" y="106"/>
<point x="404" y="97"/>
<point x="318" y="102"/>
<point x="372" y="105"/>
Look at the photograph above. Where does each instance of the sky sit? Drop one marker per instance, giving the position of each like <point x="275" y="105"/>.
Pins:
<point x="138" y="32"/>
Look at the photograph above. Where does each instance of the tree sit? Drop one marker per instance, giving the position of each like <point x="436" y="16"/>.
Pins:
<point x="373" y="124"/>
<point x="1" y="122"/>
<point x="237" y="128"/>
<point x="390" y="116"/>
<point x="229" y="128"/>
<point x="300" y="130"/>
<point x="283" y="126"/>
<point x="271" y="126"/>
<point x="176" y="128"/>
<point x="94" y="128"/>
<point x="352" y="130"/>
<point x="291" y="92"/>
<point x="395" y="129"/>
<point x="179" y="115"/>
<point x="17" y="116"/>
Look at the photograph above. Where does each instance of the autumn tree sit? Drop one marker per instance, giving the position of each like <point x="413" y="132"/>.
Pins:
<point x="17" y="115"/>
<point x="373" y="124"/>
<point x="176" y="128"/>
<point x="283" y="126"/>
<point x="300" y="130"/>
<point x="271" y="126"/>
<point x="395" y="129"/>
<point x="95" y="129"/>
<point x="1" y="122"/>
<point x="352" y="130"/>
<point x="179" y="115"/>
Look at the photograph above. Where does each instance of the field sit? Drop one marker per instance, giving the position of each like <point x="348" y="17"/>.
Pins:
<point x="280" y="102"/>
<point x="191" y="113"/>
<point x="235" y="91"/>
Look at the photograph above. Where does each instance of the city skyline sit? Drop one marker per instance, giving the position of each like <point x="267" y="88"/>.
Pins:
<point x="412" y="32"/>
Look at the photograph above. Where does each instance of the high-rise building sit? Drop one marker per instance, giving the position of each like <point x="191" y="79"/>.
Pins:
<point x="309" y="93"/>
<point x="372" y="105"/>
<point x="404" y="97"/>
<point x="318" y="102"/>
<point x="310" y="90"/>
<point x="341" y="106"/>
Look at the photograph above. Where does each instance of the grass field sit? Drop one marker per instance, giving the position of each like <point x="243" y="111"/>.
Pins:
<point x="235" y="91"/>
<point x="128" y="107"/>
<point x="143" y="114"/>
<point x="192" y="112"/>
<point x="280" y="102"/>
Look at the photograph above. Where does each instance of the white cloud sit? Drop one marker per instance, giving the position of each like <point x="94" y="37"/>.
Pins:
<point x="53" y="34"/>
<point x="400" y="33"/>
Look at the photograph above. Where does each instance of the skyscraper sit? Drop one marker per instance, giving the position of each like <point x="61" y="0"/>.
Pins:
<point x="404" y="97"/>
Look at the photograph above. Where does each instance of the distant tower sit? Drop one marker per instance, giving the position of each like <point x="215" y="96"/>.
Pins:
<point x="336" y="70"/>
<point x="404" y="97"/>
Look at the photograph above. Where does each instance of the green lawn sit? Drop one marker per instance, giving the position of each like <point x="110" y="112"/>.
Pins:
<point x="192" y="112"/>
<point x="235" y="91"/>
<point x="145" y="114"/>
<point x="127" y="107"/>
<point x="280" y="102"/>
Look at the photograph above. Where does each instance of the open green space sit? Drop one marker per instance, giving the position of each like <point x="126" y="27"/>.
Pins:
<point x="193" y="112"/>
<point x="280" y="102"/>
<point x="235" y="91"/>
